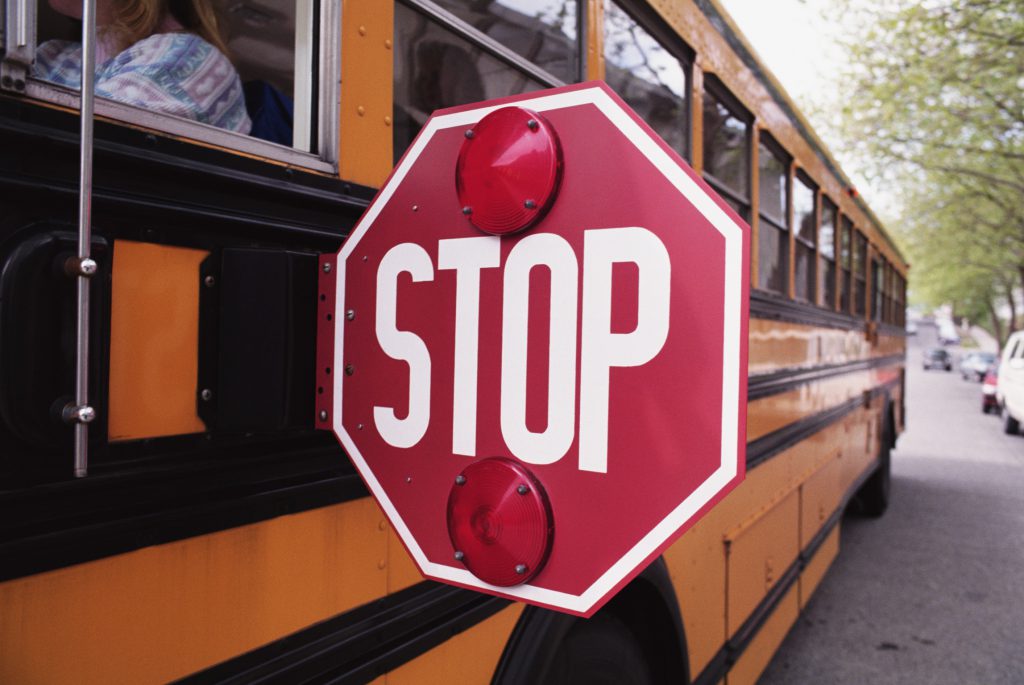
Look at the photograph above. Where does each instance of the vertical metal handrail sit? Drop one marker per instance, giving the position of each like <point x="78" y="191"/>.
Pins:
<point x="83" y="267"/>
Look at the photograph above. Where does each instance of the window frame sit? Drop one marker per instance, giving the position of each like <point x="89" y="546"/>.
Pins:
<point x="323" y="105"/>
<point x="768" y="141"/>
<point x="668" y="39"/>
<point x="713" y="85"/>
<point x="801" y="176"/>
<point x="823" y="201"/>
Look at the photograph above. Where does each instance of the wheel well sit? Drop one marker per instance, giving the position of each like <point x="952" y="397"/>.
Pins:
<point x="654" y="618"/>
<point x="647" y="606"/>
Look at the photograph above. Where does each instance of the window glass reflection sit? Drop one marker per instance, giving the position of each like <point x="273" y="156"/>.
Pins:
<point x="646" y="75"/>
<point x="772" y="259"/>
<point x="434" y="68"/>
<point x="542" y="31"/>
<point x="773" y="179"/>
<point x="827" y="250"/>
<point x="726" y="152"/>
<point x="804" y="214"/>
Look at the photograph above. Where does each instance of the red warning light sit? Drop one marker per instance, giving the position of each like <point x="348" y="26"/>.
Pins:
<point x="499" y="522"/>
<point x="508" y="171"/>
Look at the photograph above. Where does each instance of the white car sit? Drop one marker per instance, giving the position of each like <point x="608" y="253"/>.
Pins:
<point x="1010" y="386"/>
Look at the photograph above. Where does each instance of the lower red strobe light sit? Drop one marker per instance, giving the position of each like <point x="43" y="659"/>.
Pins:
<point x="499" y="522"/>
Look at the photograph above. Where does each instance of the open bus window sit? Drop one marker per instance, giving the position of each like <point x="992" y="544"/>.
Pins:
<point x="647" y="76"/>
<point x="250" y="67"/>
<point x="436" y="67"/>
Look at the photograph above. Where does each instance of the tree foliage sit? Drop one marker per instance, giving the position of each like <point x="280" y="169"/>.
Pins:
<point x="933" y="96"/>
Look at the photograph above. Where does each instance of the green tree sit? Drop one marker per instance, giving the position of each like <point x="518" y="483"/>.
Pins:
<point x="933" y="96"/>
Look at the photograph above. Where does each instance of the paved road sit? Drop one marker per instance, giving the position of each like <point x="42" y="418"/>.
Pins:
<point x="933" y="592"/>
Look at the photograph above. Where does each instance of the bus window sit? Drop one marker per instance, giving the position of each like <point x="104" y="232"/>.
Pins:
<point x="844" y="262"/>
<point x="436" y="67"/>
<point x="727" y="146"/>
<point x="805" y="218"/>
<point x="252" y="70"/>
<point x="860" y="264"/>
<point x="648" y="76"/>
<point x="827" y="252"/>
<point x="773" y="228"/>
<point x="544" y="32"/>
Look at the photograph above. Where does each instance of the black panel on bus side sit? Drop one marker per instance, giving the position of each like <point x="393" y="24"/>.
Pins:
<point x="257" y="340"/>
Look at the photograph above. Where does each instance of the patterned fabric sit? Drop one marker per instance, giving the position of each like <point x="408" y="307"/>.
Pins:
<point x="173" y="73"/>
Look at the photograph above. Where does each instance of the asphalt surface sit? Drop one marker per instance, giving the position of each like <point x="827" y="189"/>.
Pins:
<point x="932" y="592"/>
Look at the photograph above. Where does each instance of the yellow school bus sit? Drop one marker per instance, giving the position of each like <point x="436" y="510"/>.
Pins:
<point x="178" y="517"/>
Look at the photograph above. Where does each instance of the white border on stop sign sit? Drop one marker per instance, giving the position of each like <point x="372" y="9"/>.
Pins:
<point x="726" y="471"/>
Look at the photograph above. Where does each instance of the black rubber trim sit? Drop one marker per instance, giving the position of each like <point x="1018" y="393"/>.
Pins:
<point x="767" y="446"/>
<point x="789" y="379"/>
<point x="362" y="644"/>
<point x="766" y="305"/>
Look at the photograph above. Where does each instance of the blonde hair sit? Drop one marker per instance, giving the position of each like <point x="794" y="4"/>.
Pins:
<point x="137" y="19"/>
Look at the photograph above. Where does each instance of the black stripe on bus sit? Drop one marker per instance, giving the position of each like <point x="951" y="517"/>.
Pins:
<point x="55" y="525"/>
<point x="790" y="379"/>
<point x="362" y="644"/>
<point x="767" y="446"/>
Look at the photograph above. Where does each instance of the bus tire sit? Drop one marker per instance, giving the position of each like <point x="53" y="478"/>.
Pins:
<point x="874" y="494"/>
<point x="600" y="650"/>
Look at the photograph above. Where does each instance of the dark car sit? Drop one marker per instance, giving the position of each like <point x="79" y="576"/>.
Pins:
<point x="989" y="399"/>
<point x="938" y="358"/>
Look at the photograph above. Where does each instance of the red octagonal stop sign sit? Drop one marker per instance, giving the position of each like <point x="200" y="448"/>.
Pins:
<point x="534" y="350"/>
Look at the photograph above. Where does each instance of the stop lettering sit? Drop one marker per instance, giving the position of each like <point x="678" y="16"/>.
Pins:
<point x="541" y="322"/>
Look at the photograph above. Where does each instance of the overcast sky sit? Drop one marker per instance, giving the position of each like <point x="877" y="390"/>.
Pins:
<point x="796" y="41"/>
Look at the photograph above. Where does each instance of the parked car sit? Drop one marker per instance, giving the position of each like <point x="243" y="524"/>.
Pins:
<point x="1010" y="383"/>
<point x="989" y="395"/>
<point x="937" y="358"/>
<point x="975" y="365"/>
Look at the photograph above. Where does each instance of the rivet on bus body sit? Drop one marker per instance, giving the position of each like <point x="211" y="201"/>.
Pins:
<point x="349" y="369"/>
<point x="520" y="569"/>
<point x="459" y="556"/>
<point x="469" y="133"/>
<point x="350" y="315"/>
<point x="360" y="110"/>
<point x="323" y="414"/>
<point x="387" y="44"/>
<point x="387" y="121"/>
<point x="415" y="208"/>
<point x="532" y="124"/>
<point x="381" y="564"/>
<point x="327" y="267"/>
<point x="206" y="394"/>
<point x="359" y="426"/>
<point x="523" y="489"/>
<point x="362" y="30"/>
<point x="530" y="204"/>
<point x="467" y="210"/>
<point x="460" y="479"/>
<point x="209" y="281"/>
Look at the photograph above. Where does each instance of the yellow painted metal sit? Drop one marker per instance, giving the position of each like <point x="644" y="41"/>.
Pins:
<point x="759" y="556"/>
<point x="160" y="613"/>
<point x="819" y="564"/>
<point x="469" y="657"/>
<point x="154" y="334"/>
<point x="367" y="67"/>
<point x="595" y="40"/>
<point x="759" y="652"/>
<point x="697" y="567"/>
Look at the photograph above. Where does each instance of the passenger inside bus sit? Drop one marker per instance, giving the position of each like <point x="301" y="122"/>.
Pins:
<point x="164" y="56"/>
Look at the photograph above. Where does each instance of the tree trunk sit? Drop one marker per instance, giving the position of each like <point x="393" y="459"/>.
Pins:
<point x="1011" y="300"/>
<point x="997" y="325"/>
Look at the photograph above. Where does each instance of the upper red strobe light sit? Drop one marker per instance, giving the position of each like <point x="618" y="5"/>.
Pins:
<point x="508" y="171"/>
